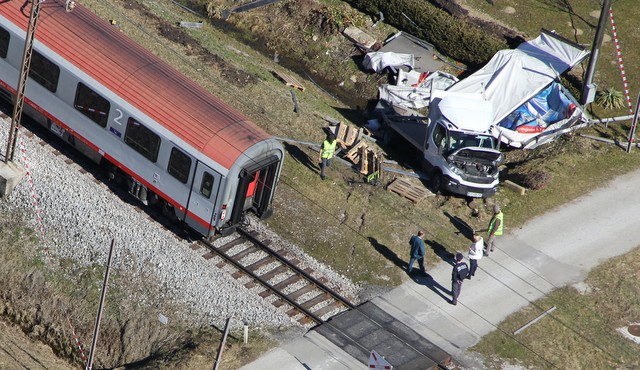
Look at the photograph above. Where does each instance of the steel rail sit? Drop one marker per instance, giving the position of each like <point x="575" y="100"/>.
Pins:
<point x="310" y="278"/>
<point x="264" y="283"/>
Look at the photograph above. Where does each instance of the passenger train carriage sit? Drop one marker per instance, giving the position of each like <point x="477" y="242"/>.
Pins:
<point x="177" y="145"/>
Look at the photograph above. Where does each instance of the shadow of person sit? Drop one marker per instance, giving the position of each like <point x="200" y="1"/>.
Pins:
<point x="435" y="287"/>
<point x="440" y="251"/>
<point x="388" y="254"/>
<point x="301" y="157"/>
<point x="461" y="225"/>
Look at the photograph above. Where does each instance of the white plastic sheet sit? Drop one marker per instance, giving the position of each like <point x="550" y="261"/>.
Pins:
<point x="378" y="61"/>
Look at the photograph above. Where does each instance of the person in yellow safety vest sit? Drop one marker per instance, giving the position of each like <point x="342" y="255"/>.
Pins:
<point x="496" y="225"/>
<point x="327" y="150"/>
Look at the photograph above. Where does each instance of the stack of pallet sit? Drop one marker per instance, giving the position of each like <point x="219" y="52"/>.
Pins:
<point x="358" y="151"/>
<point x="347" y="135"/>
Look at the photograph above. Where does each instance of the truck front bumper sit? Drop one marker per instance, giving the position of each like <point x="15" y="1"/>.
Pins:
<point x="453" y="186"/>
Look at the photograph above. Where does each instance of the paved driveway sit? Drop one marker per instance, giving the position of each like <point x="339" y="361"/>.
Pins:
<point x="556" y="249"/>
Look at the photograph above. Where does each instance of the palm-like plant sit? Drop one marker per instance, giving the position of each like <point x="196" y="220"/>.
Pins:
<point x="610" y="99"/>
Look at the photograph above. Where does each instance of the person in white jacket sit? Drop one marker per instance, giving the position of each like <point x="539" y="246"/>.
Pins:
<point x="476" y="249"/>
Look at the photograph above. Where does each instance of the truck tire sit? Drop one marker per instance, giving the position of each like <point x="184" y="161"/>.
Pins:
<point x="436" y="182"/>
<point x="389" y="137"/>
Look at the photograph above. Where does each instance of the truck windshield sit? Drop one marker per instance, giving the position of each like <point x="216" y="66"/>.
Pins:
<point x="458" y="140"/>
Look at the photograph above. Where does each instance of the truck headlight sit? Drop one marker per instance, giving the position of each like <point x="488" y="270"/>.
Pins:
<point x="457" y="170"/>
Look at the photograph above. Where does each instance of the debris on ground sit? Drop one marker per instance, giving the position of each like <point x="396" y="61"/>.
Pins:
<point x="357" y="151"/>
<point x="185" y="24"/>
<point x="359" y="37"/>
<point x="288" y="80"/>
<point x="409" y="189"/>
<point x="515" y="187"/>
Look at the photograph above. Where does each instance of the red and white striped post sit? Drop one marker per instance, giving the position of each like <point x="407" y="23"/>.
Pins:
<point x="625" y="84"/>
<point x="34" y="198"/>
<point x="77" y="341"/>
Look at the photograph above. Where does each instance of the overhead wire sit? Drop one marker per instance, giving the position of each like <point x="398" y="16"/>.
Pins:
<point x="357" y="232"/>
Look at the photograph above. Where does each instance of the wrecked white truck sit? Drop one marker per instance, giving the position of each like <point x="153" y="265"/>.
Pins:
<point x="516" y="98"/>
<point x="530" y="105"/>
<point x="457" y="146"/>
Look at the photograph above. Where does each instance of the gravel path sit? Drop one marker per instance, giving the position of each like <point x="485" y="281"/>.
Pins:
<point x="77" y="218"/>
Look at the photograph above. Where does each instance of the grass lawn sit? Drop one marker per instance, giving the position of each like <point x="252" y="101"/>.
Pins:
<point x="583" y="331"/>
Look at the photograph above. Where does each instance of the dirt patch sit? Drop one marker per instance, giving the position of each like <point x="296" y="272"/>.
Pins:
<point x="191" y="46"/>
<point x="326" y="57"/>
<point x="460" y="10"/>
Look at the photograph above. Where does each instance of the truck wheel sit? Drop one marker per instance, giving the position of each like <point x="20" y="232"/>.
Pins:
<point x="436" y="182"/>
<point x="388" y="137"/>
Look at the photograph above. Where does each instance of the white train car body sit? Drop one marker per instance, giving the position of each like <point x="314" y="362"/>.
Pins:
<point x="175" y="143"/>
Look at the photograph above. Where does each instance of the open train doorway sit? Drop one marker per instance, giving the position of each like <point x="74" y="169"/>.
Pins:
<point x="256" y="187"/>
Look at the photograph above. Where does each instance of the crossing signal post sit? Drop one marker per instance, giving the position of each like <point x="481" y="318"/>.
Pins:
<point x="22" y="80"/>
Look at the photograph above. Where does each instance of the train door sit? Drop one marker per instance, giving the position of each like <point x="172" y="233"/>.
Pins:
<point x="255" y="189"/>
<point x="251" y="191"/>
<point x="204" y="191"/>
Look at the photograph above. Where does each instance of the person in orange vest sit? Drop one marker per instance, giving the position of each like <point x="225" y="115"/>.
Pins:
<point x="327" y="149"/>
<point x="496" y="225"/>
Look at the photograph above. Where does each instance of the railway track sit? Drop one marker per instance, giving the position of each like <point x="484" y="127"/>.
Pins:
<point x="308" y="299"/>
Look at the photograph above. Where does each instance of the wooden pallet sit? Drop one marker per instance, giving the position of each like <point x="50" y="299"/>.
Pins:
<point x="406" y="189"/>
<point x="369" y="161"/>
<point x="289" y="80"/>
<point x="354" y="153"/>
<point x="347" y="135"/>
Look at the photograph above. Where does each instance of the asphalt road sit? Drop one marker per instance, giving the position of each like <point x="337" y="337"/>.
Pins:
<point x="556" y="249"/>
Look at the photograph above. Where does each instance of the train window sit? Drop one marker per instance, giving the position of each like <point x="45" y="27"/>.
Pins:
<point x="92" y="105"/>
<point x="4" y="42"/>
<point x="179" y="165"/>
<point x="142" y="140"/>
<point x="207" y="184"/>
<point x="44" y="72"/>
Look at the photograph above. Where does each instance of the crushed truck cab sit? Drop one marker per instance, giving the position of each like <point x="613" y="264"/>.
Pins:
<point x="456" y="142"/>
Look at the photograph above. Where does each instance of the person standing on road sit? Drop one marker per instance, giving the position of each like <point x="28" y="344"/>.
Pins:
<point x="459" y="273"/>
<point x="327" y="149"/>
<point x="417" y="253"/>
<point x="496" y="225"/>
<point x="475" y="253"/>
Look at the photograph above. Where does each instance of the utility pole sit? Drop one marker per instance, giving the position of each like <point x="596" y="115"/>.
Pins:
<point x="24" y="72"/>
<point x="632" y="131"/>
<point x="103" y="294"/>
<point x="588" y="87"/>
<point x="12" y="172"/>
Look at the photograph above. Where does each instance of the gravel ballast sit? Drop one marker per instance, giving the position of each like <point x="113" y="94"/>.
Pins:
<point x="77" y="217"/>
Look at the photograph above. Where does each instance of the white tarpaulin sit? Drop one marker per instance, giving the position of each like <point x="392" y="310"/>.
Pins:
<point x="413" y="90"/>
<point x="378" y="61"/>
<point x="512" y="77"/>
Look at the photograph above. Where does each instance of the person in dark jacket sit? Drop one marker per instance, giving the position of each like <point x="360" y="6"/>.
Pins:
<point x="459" y="273"/>
<point x="417" y="253"/>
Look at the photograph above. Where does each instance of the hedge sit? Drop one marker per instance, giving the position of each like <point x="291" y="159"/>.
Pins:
<point x="450" y="36"/>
